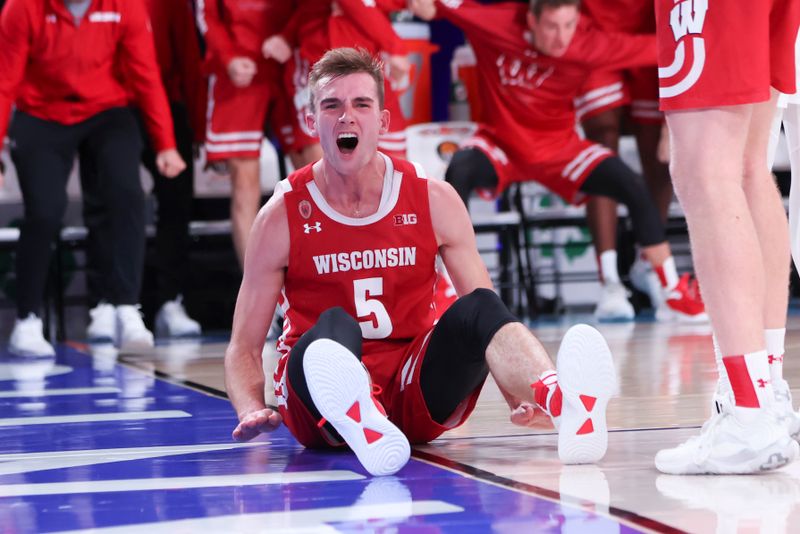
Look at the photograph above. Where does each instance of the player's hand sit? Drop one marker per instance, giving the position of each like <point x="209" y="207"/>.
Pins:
<point x="530" y="415"/>
<point x="662" y="151"/>
<point x="277" y="48"/>
<point x="169" y="163"/>
<point x="424" y="9"/>
<point x="399" y="67"/>
<point x="241" y="71"/>
<point x="255" y="423"/>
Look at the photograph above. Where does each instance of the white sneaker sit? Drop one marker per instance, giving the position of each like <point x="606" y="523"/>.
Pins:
<point x="726" y="445"/>
<point x="173" y="321"/>
<point x="785" y="410"/>
<point x="613" y="304"/>
<point x="27" y="338"/>
<point x="131" y="331"/>
<point x="340" y="388"/>
<point x="587" y="381"/>
<point x="103" y="325"/>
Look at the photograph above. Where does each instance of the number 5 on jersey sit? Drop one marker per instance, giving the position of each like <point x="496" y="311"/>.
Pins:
<point x="378" y="324"/>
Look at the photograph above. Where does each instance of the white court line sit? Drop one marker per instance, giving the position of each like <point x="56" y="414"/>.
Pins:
<point x="93" y="418"/>
<point x="28" y="462"/>
<point x="289" y="521"/>
<point x="152" y="484"/>
<point x="54" y="392"/>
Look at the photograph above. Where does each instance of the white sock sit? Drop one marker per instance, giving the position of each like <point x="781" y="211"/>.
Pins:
<point x="723" y="384"/>
<point x="667" y="273"/>
<point x="775" y="350"/>
<point x="608" y="267"/>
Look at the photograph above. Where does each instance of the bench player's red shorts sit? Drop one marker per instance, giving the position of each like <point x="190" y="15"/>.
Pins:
<point x="604" y="90"/>
<point x="401" y="396"/>
<point x="236" y="118"/>
<point x="715" y="53"/>
<point x="561" y="165"/>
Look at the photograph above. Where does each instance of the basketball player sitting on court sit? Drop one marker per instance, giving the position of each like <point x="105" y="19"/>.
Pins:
<point x="532" y="61"/>
<point x="348" y="246"/>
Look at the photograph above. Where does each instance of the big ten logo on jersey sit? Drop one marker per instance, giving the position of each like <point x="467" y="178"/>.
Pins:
<point x="686" y="19"/>
<point x="522" y="71"/>
<point x="405" y="219"/>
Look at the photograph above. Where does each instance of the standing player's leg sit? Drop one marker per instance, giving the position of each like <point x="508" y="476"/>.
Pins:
<point x="234" y="134"/>
<point x="601" y="216"/>
<point x="711" y="188"/>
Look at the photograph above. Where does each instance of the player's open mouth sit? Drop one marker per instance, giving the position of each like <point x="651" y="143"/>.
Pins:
<point x="347" y="142"/>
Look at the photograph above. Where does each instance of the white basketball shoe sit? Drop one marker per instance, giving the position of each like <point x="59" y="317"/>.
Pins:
<point x="785" y="410"/>
<point x="340" y="388"/>
<point x="577" y="401"/>
<point x="727" y="445"/>
<point x="613" y="304"/>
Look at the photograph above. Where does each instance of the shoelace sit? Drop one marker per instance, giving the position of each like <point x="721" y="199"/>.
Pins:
<point x="705" y="439"/>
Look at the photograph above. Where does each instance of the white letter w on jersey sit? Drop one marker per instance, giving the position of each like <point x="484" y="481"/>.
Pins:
<point x="688" y="16"/>
<point x="686" y="19"/>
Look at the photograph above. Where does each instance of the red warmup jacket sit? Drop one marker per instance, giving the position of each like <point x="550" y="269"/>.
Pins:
<point x="178" y="55"/>
<point x="64" y="73"/>
<point x="238" y="28"/>
<point x="315" y="27"/>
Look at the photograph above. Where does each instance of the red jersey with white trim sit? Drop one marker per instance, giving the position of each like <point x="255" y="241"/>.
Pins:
<point x="316" y="27"/>
<point x="236" y="28"/>
<point x="60" y="71"/>
<point x="628" y="16"/>
<point x="528" y="96"/>
<point x="380" y="268"/>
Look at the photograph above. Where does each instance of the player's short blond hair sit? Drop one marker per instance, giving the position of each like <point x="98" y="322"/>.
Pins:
<point x="537" y="6"/>
<point x="340" y="62"/>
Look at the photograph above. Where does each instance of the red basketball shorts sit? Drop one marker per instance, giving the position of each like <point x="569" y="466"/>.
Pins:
<point x="715" y="53"/>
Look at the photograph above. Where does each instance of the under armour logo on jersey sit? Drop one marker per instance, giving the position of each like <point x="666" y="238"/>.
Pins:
<point x="686" y="20"/>
<point x="405" y="219"/>
<point x="317" y="227"/>
<point x="762" y="383"/>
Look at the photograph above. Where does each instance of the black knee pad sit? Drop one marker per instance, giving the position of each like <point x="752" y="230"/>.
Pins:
<point x="468" y="169"/>
<point x="480" y="315"/>
<point x="338" y="325"/>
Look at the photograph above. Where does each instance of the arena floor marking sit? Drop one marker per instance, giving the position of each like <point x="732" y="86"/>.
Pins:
<point x="206" y="498"/>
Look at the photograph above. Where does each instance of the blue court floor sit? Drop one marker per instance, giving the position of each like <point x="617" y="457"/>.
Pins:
<point x="90" y="445"/>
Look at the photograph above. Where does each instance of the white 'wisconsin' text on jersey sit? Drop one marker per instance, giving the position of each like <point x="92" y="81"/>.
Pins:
<point x="357" y="260"/>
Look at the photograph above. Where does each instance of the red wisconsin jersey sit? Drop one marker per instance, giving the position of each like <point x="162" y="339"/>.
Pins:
<point x="380" y="268"/>
<point x="316" y="27"/>
<point x="235" y="28"/>
<point x="528" y="96"/>
<point x="59" y="71"/>
<point x="628" y="16"/>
